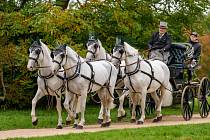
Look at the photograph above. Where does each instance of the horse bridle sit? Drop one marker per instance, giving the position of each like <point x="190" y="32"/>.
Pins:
<point x="59" y="63"/>
<point x="93" y="52"/>
<point x="37" y="57"/>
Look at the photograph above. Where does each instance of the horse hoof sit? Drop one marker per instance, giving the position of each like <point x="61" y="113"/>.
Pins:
<point x="100" y="121"/>
<point x="59" y="127"/>
<point x="139" y="122"/>
<point x="133" y="121"/>
<point x="157" y="119"/>
<point x="108" y="124"/>
<point x="75" y="126"/>
<point x="79" y="127"/>
<point x="121" y="117"/>
<point x="68" y="122"/>
<point x="103" y="124"/>
<point x="35" y="122"/>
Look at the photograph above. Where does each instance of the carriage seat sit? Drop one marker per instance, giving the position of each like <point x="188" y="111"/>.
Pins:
<point x="177" y="55"/>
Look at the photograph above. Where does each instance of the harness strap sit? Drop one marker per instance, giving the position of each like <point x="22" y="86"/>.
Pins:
<point x="47" y="87"/>
<point x="77" y="71"/>
<point x="92" y="77"/>
<point x="137" y="69"/>
<point x="151" y="76"/>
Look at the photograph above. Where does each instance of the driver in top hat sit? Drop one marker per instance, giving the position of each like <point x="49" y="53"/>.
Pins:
<point x="159" y="44"/>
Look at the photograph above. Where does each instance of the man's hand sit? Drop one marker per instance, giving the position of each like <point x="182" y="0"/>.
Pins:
<point x="193" y="63"/>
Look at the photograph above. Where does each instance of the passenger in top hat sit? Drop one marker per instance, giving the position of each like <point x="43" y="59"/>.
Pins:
<point x="159" y="43"/>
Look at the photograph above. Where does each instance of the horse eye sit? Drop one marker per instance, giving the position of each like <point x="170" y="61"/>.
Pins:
<point x="37" y="51"/>
<point x="121" y="51"/>
<point x="96" y="46"/>
<point x="62" y="55"/>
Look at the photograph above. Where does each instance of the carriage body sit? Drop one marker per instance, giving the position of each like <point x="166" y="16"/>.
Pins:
<point x="184" y="91"/>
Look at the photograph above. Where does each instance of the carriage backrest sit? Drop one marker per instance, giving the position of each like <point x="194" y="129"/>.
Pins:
<point x="176" y="54"/>
<point x="179" y="54"/>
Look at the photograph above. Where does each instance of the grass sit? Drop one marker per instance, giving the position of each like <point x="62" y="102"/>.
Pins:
<point x="19" y="119"/>
<point x="181" y="132"/>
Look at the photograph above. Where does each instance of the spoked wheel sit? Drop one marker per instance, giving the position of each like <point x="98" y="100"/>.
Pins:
<point x="149" y="105"/>
<point x="187" y="103"/>
<point x="203" y="93"/>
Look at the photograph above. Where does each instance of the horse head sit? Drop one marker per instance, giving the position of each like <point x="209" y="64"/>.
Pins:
<point x="59" y="57"/>
<point x="93" y="47"/>
<point x="118" y="52"/>
<point x="35" y="56"/>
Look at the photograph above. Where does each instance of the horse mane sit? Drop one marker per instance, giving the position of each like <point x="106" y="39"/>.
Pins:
<point x="71" y="51"/>
<point x="45" y="49"/>
<point x="131" y="50"/>
<point x="101" y="47"/>
<point x="99" y="42"/>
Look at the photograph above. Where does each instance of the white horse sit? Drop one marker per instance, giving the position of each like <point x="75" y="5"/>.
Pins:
<point x="95" y="52"/>
<point x="84" y="77"/>
<point x="143" y="77"/>
<point x="48" y="83"/>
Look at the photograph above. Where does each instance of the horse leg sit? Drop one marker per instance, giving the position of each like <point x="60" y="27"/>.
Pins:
<point x="76" y="109"/>
<point x="159" y="115"/>
<point x="121" y="111"/>
<point x="143" y="100"/>
<point x="59" y="109"/>
<point x="100" y="116"/>
<point x="102" y="96"/>
<point x="67" y="107"/>
<point x="82" y="107"/>
<point x="157" y="103"/>
<point x="133" y="112"/>
<point x="39" y="95"/>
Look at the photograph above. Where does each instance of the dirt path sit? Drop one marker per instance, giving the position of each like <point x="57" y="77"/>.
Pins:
<point x="167" y="120"/>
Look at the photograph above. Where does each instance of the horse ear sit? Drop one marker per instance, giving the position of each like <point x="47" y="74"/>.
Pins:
<point x="52" y="55"/>
<point x="39" y="42"/>
<point x="112" y="51"/>
<point x="64" y="46"/>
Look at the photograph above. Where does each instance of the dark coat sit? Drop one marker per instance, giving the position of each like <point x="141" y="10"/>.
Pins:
<point x="160" y="43"/>
<point x="197" y="49"/>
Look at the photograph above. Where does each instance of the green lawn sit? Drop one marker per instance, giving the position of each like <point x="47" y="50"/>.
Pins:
<point x="15" y="119"/>
<point x="181" y="132"/>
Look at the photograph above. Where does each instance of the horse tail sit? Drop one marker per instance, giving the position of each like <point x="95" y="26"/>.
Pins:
<point x="168" y="96"/>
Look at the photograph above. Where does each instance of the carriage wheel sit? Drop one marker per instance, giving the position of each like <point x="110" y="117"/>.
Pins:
<point x="203" y="93"/>
<point x="187" y="103"/>
<point x="149" y="105"/>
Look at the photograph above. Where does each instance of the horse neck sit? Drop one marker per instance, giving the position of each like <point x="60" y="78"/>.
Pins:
<point x="71" y="64"/>
<point x="47" y="63"/>
<point x="131" y="62"/>
<point x="101" y="54"/>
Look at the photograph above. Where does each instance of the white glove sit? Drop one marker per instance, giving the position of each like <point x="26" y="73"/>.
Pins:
<point x="193" y="63"/>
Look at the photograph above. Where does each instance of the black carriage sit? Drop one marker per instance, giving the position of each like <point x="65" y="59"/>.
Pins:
<point x="185" y="92"/>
